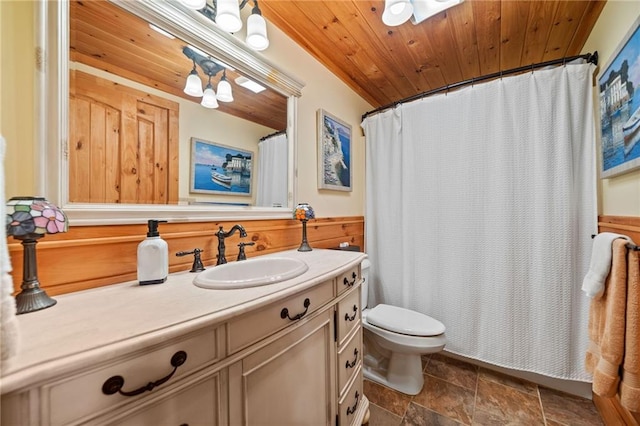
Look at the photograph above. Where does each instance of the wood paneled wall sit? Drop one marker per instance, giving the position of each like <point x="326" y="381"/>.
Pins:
<point x="613" y="414"/>
<point x="94" y="256"/>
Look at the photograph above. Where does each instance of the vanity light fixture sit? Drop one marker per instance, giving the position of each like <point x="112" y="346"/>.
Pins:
<point x="226" y="14"/>
<point x="397" y="12"/>
<point x="29" y="219"/>
<point x="210" y="68"/>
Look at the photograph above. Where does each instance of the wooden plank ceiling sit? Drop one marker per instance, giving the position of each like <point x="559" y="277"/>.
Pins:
<point x="478" y="37"/>
<point x="382" y="64"/>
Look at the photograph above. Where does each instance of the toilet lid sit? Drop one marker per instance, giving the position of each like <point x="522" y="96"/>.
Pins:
<point x="404" y="321"/>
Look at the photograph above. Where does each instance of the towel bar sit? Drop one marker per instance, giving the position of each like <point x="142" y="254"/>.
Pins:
<point x="630" y="246"/>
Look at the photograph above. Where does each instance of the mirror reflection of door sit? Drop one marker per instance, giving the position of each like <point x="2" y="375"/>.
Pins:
<point x="123" y="144"/>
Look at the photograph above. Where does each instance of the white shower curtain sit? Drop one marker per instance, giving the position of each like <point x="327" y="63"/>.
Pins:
<point x="272" y="171"/>
<point x="480" y="208"/>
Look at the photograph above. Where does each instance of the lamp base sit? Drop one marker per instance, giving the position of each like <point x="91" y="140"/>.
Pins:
<point x="33" y="299"/>
<point x="304" y="246"/>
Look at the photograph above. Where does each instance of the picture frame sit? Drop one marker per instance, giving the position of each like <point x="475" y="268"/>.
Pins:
<point x="619" y="86"/>
<point x="220" y="169"/>
<point x="334" y="153"/>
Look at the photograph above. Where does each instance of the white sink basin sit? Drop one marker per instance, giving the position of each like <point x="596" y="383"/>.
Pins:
<point x="251" y="273"/>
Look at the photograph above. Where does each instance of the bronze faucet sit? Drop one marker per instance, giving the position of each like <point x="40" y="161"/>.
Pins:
<point x="222" y="235"/>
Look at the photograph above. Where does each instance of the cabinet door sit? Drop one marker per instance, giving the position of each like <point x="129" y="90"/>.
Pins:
<point x="290" y="381"/>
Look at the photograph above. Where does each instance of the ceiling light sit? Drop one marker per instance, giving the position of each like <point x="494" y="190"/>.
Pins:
<point x="209" y="96"/>
<point x="193" y="87"/>
<point x="228" y="15"/>
<point x="249" y="84"/>
<point x="397" y="12"/>
<point x="423" y="9"/>
<point x="257" y="29"/>
<point x="224" y="89"/>
<point x="161" y="31"/>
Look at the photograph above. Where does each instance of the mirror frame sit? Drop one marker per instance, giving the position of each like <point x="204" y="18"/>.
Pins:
<point x="52" y="127"/>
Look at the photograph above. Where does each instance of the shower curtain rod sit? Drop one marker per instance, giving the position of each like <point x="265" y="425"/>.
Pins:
<point x="590" y="57"/>
<point x="272" y="135"/>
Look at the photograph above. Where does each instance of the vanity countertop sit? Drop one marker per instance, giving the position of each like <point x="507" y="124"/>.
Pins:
<point x="80" y="327"/>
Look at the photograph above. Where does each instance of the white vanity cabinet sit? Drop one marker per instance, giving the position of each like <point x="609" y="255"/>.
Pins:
<point x="286" y="353"/>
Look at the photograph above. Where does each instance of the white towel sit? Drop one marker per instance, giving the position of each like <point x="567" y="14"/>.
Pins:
<point x="9" y="339"/>
<point x="593" y="283"/>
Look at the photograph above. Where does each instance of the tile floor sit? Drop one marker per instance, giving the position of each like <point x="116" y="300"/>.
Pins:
<point x="456" y="392"/>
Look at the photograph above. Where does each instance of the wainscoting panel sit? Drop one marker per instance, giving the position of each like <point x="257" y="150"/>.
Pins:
<point x="94" y="256"/>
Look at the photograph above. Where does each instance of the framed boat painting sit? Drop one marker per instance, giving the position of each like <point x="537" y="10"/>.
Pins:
<point x="219" y="169"/>
<point x="334" y="153"/>
<point x="619" y="84"/>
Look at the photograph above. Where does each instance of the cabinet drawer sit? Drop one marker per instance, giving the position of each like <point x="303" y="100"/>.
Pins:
<point x="349" y="315"/>
<point x="254" y="326"/>
<point x="351" y="401"/>
<point x="348" y="279"/>
<point x="62" y="399"/>
<point x="349" y="359"/>
<point x="195" y="404"/>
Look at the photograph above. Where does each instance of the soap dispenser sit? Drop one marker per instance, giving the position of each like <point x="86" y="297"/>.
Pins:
<point x="153" y="256"/>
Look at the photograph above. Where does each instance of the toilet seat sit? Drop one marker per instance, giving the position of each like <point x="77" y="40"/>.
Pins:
<point x="404" y="321"/>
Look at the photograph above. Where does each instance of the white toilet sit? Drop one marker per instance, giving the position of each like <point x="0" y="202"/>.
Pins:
<point x="394" y="339"/>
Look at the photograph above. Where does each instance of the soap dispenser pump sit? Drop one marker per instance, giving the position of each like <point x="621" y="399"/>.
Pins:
<point x="153" y="256"/>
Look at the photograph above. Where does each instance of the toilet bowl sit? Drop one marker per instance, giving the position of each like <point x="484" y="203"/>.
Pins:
<point x="394" y="340"/>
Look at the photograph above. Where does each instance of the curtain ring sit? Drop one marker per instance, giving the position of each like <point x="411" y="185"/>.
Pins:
<point x="532" y="68"/>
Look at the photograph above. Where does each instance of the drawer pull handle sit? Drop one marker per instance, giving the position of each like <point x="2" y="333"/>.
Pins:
<point x="352" y="364"/>
<point x="351" y="410"/>
<point x="285" y="312"/>
<point x="114" y="384"/>
<point x="350" y="283"/>
<point x="353" y="317"/>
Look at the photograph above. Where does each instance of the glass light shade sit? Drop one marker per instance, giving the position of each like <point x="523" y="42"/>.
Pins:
<point x="34" y="215"/>
<point x="224" y="90"/>
<point x="257" y="32"/>
<point x="396" y="12"/>
<point x="228" y="15"/>
<point x="194" y="85"/>
<point x="194" y="4"/>
<point x="29" y="219"/>
<point x="303" y="212"/>
<point x="209" y="98"/>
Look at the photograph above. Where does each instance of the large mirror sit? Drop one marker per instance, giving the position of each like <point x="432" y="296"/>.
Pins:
<point x="108" y="50"/>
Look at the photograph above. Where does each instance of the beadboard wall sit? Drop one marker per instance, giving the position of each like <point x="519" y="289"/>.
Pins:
<point x="94" y="256"/>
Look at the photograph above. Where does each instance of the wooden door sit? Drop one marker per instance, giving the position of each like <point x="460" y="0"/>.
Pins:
<point x="123" y="144"/>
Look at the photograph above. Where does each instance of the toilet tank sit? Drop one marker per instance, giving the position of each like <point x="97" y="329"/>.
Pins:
<point x="364" y="288"/>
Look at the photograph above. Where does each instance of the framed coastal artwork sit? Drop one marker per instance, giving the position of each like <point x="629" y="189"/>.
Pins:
<point x="619" y="84"/>
<point x="219" y="169"/>
<point x="334" y="153"/>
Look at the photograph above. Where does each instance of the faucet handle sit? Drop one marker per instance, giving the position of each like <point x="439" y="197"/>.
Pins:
<point x="197" y="261"/>
<point x="241" y="254"/>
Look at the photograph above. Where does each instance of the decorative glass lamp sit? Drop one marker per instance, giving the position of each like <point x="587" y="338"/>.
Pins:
<point x="29" y="219"/>
<point x="303" y="213"/>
